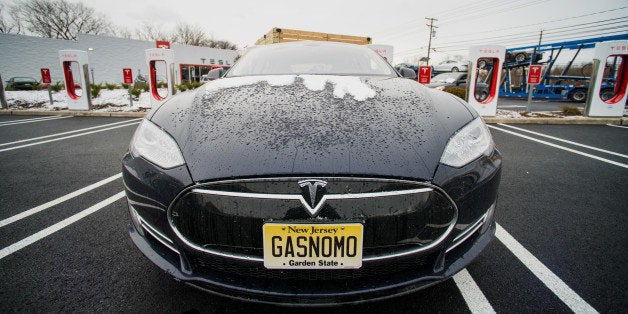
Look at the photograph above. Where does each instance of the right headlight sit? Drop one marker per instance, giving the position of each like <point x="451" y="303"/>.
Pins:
<point x="157" y="146"/>
<point x="470" y="142"/>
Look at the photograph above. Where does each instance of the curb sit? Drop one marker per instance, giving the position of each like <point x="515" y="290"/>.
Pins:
<point x="116" y="114"/>
<point x="579" y="120"/>
<point x="490" y="120"/>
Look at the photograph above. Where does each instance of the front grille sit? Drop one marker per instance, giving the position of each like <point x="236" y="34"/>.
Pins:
<point x="257" y="270"/>
<point x="227" y="217"/>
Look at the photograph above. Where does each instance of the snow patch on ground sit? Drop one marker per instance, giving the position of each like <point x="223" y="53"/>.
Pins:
<point x="508" y="114"/>
<point x="343" y="85"/>
<point x="109" y="100"/>
<point x="118" y="99"/>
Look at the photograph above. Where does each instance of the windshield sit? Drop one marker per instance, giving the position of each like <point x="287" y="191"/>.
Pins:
<point x="446" y="78"/>
<point x="311" y="58"/>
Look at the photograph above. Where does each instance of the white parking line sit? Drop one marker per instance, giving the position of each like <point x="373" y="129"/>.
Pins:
<point x="560" y="288"/>
<point x="618" y="126"/>
<point x="68" y="132"/>
<point x="57" y="201"/>
<point x="562" y="147"/>
<point x="66" y="137"/>
<point x="565" y="141"/>
<point x="29" y="119"/>
<point x="58" y="226"/>
<point x="13" y="122"/>
<point x="473" y="296"/>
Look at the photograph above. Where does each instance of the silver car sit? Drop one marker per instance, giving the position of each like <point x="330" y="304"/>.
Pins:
<point x="451" y="66"/>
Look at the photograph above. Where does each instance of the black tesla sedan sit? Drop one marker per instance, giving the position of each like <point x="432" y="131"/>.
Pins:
<point x="312" y="174"/>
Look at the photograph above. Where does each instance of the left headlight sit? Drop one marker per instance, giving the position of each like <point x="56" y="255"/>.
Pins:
<point x="470" y="142"/>
<point x="152" y="143"/>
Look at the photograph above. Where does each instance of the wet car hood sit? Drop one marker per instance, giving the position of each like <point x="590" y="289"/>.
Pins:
<point x="390" y="127"/>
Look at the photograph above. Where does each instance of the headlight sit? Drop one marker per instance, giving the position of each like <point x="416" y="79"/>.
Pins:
<point x="469" y="143"/>
<point x="152" y="143"/>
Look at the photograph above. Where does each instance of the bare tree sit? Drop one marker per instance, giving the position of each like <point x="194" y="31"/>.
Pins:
<point x="59" y="18"/>
<point x="123" y="32"/>
<point x="223" y="44"/>
<point x="8" y="24"/>
<point x="188" y="34"/>
<point x="150" y="31"/>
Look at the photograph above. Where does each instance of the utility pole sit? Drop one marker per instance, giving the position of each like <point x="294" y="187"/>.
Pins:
<point x="429" y="44"/>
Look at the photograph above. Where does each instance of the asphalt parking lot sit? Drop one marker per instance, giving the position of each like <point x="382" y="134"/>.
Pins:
<point x="64" y="246"/>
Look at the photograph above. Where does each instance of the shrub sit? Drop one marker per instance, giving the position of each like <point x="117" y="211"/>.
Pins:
<point x="95" y="90"/>
<point x="193" y="85"/>
<point x="458" y="91"/>
<point x="110" y="86"/>
<point x="57" y="86"/>
<point x="125" y="86"/>
<point x="182" y="87"/>
<point x="141" y="85"/>
<point x="9" y="89"/>
<point x="570" y="110"/>
<point x="136" y="93"/>
<point x="162" y="84"/>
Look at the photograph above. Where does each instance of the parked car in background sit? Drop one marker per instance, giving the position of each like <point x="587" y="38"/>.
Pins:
<point x="415" y="68"/>
<point x="406" y="72"/>
<point x="22" y="83"/>
<point x="444" y="80"/>
<point x="521" y="56"/>
<point x="214" y="74"/>
<point x="450" y="66"/>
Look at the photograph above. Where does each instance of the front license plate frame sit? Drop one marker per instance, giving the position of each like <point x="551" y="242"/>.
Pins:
<point x="312" y="246"/>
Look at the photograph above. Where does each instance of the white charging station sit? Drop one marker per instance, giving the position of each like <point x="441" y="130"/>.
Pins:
<point x="75" y="66"/>
<point x="493" y="57"/>
<point x="613" y="107"/>
<point x="165" y="58"/>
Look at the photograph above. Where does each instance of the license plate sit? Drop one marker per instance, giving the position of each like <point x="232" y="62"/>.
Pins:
<point x="312" y="246"/>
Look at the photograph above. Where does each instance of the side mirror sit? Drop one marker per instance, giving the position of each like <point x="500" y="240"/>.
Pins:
<point x="407" y="73"/>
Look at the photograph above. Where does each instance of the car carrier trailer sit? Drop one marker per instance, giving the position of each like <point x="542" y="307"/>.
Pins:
<point x="555" y="87"/>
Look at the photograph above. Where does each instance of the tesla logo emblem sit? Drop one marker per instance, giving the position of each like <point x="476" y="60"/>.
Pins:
<point x="311" y="188"/>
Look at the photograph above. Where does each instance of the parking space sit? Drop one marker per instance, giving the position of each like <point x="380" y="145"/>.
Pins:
<point x="64" y="244"/>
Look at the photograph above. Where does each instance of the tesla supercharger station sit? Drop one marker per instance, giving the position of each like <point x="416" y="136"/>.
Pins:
<point x="480" y="57"/>
<point x="75" y="66"/>
<point x="164" y="58"/>
<point x="613" y="107"/>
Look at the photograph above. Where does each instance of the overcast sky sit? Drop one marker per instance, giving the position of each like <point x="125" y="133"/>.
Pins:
<point x="400" y="23"/>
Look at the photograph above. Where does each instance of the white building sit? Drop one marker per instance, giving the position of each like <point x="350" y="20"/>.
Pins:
<point x="26" y="55"/>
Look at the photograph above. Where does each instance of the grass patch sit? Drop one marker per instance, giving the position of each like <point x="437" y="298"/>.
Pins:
<point x="110" y="86"/>
<point x="457" y="91"/>
<point x="570" y="110"/>
<point x="95" y="90"/>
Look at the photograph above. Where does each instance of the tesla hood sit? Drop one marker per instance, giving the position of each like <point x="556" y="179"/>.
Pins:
<point x="312" y="125"/>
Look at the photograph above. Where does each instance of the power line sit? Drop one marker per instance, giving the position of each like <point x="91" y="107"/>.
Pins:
<point x="458" y="35"/>
<point x="577" y="36"/>
<point x="482" y="12"/>
<point x="540" y="23"/>
<point x="414" y="22"/>
<point x="557" y="30"/>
